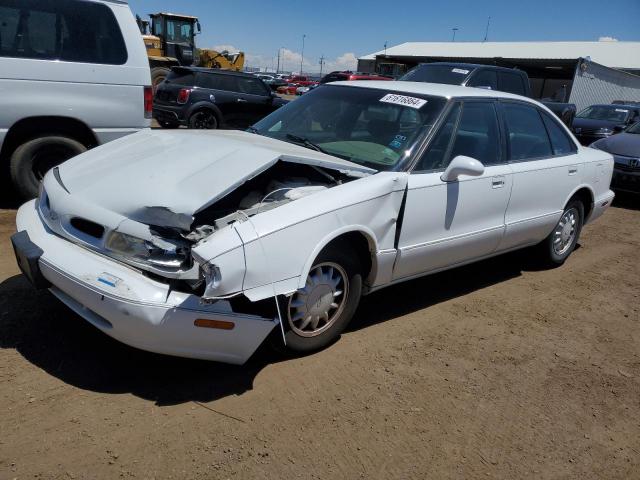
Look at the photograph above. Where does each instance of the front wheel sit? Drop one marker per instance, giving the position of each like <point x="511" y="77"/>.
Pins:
<point x="203" y="119"/>
<point x="317" y="314"/>
<point x="557" y="247"/>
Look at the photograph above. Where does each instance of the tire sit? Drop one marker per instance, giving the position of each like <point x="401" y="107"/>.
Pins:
<point x="158" y="74"/>
<point x="557" y="247"/>
<point x="169" y="125"/>
<point x="337" y="260"/>
<point x="31" y="160"/>
<point x="203" y="120"/>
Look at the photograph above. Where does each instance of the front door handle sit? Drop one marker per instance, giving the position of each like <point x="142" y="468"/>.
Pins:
<point x="497" y="182"/>
<point x="241" y="100"/>
<point x="573" y="170"/>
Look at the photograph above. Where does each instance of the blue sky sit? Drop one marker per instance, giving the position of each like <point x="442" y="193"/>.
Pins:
<point x="344" y="30"/>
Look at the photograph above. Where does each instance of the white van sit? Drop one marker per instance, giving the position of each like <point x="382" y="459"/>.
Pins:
<point x="74" y="74"/>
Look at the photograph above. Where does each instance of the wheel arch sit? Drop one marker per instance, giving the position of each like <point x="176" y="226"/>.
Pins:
<point x="586" y="195"/>
<point x="203" y="105"/>
<point x="34" y="127"/>
<point x="360" y="237"/>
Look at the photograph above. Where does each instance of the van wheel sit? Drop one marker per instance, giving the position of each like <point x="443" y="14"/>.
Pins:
<point x="33" y="159"/>
<point x="158" y="74"/>
<point x="557" y="247"/>
<point x="203" y="119"/>
<point x="317" y="314"/>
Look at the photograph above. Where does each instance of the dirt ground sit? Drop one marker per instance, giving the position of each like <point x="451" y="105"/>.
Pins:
<point x="496" y="370"/>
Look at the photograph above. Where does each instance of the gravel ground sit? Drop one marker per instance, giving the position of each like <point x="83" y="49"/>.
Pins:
<point x="495" y="370"/>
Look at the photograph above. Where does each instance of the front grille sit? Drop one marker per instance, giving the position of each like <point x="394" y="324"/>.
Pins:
<point x="86" y="226"/>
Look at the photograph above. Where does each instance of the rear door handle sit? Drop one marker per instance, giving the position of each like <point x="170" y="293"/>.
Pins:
<point x="497" y="182"/>
<point x="573" y="170"/>
<point x="241" y="100"/>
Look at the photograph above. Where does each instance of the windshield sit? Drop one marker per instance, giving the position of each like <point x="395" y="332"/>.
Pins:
<point x="635" y="128"/>
<point x="605" y="112"/>
<point x="372" y="127"/>
<point x="179" y="31"/>
<point x="449" y="74"/>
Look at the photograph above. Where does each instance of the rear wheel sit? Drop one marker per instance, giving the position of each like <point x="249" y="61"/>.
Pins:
<point x="557" y="247"/>
<point x="203" y="119"/>
<point x="317" y="314"/>
<point x="33" y="159"/>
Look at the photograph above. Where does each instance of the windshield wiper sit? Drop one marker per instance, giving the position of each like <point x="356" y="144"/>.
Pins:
<point x="306" y="143"/>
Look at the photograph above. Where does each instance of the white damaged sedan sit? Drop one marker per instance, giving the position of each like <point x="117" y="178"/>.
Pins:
<point x="200" y="244"/>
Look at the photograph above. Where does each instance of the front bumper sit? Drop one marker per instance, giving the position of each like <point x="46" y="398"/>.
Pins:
<point x="627" y="179"/>
<point x="132" y="308"/>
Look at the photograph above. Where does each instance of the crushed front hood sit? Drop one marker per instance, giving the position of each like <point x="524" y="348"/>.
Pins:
<point x="164" y="178"/>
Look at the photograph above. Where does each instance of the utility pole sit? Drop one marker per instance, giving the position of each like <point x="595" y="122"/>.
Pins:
<point x="302" y="57"/>
<point x="321" y="64"/>
<point x="385" y="48"/>
<point x="454" y="29"/>
<point x="486" y="32"/>
<point x="278" y="67"/>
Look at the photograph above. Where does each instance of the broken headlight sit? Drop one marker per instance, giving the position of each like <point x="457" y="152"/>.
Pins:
<point x="162" y="254"/>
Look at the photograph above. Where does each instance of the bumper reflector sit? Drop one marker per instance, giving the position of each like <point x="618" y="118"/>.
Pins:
<point x="219" y="324"/>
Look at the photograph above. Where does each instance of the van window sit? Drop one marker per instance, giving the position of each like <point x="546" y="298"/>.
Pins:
<point x="528" y="139"/>
<point x="68" y="30"/>
<point x="512" y="83"/>
<point x="560" y="141"/>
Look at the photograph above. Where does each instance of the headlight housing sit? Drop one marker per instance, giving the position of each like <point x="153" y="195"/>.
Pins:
<point x="143" y="251"/>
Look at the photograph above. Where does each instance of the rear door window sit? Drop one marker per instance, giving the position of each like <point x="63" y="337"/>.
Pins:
<point x="251" y="86"/>
<point x="512" y="83"/>
<point x="67" y="30"/>
<point x="560" y="141"/>
<point x="484" y="78"/>
<point x="527" y="135"/>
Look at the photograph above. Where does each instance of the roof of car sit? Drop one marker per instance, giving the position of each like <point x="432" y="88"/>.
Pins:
<point x="436" y="89"/>
<point x="214" y="71"/>
<point x="617" y="105"/>
<point x="473" y="66"/>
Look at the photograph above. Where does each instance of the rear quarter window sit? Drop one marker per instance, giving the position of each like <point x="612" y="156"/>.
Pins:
<point x="67" y="30"/>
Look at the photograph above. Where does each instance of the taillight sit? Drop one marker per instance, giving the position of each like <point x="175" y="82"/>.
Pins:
<point x="148" y="102"/>
<point x="183" y="96"/>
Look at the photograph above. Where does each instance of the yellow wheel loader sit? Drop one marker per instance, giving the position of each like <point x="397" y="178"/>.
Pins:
<point x="170" y="41"/>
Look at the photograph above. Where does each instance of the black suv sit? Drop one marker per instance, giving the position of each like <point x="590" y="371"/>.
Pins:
<point x="212" y="98"/>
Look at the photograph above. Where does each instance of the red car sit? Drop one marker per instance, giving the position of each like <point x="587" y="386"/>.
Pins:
<point x="301" y="80"/>
<point x="348" y="75"/>
<point x="292" y="87"/>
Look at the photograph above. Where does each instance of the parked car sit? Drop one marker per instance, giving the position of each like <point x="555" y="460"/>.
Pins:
<point x="351" y="188"/>
<point x="602" y="121"/>
<point x="66" y="93"/>
<point x="290" y="89"/>
<point x="341" y="76"/>
<point x="488" y="77"/>
<point x="301" y="80"/>
<point x="625" y="148"/>
<point x="207" y="98"/>
<point x="305" y="89"/>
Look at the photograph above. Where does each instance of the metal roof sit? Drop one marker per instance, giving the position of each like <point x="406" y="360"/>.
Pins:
<point x="609" y="53"/>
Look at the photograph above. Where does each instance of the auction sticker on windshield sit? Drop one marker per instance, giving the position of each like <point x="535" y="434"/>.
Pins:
<point x="460" y="71"/>
<point x="412" y="102"/>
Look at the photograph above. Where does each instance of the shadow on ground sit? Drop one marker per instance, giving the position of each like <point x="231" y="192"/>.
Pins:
<point x="56" y="340"/>
<point x="630" y="201"/>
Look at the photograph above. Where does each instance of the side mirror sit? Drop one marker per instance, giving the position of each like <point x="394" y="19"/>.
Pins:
<point x="198" y="27"/>
<point x="618" y="128"/>
<point x="462" y="165"/>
